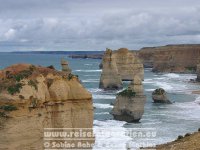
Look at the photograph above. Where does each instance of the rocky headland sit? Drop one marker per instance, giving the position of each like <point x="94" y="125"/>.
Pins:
<point x="129" y="104"/>
<point x="181" y="58"/>
<point x="120" y="65"/>
<point x="33" y="98"/>
<point x="171" y="58"/>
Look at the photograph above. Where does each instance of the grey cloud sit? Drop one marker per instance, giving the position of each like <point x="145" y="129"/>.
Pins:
<point x="95" y="25"/>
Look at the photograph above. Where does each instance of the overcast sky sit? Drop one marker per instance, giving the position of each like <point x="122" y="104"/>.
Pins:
<point x="97" y="24"/>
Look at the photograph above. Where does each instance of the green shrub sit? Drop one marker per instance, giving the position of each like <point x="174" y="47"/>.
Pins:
<point x="187" y="134"/>
<point x="14" y="89"/>
<point x="191" y="68"/>
<point x="23" y="74"/>
<point x="179" y="137"/>
<point x="8" y="107"/>
<point x="127" y="92"/>
<point x="33" y="83"/>
<point x="70" y="76"/>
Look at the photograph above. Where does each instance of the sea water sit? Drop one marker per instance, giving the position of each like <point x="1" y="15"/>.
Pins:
<point x="168" y="121"/>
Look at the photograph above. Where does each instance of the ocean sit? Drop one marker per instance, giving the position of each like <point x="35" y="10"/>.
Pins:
<point x="168" y="121"/>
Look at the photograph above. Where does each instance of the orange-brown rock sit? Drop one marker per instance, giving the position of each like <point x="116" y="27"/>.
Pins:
<point x="171" y="58"/>
<point x="121" y="64"/>
<point x="33" y="98"/>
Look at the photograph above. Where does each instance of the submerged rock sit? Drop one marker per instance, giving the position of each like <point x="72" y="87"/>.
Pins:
<point x="129" y="104"/>
<point x="160" y="96"/>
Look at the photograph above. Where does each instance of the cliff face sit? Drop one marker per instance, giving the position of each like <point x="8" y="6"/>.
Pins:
<point x="171" y="58"/>
<point x="41" y="98"/>
<point x="120" y="65"/>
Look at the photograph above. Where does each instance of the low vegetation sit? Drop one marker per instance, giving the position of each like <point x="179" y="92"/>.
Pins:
<point x="14" y="88"/>
<point x="33" y="83"/>
<point x="127" y="92"/>
<point x="70" y="76"/>
<point x="8" y="107"/>
<point x="191" y="69"/>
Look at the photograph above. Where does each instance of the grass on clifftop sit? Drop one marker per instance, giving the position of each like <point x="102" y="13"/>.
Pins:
<point x="70" y="76"/>
<point x="127" y="92"/>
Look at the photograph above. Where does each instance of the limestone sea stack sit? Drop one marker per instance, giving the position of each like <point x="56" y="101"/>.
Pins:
<point x="65" y="66"/>
<point x="120" y="65"/>
<point x="110" y="78"/>
<point x="129" y="104"/>
<point x="160" y="96"/>
<point x="33" y="98"/>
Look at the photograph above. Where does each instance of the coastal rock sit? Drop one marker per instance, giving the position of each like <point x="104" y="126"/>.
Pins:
<point x="160" y="96"/>
<point x="120" y="65"/>
<point x="33" y="98"/>
<point x="129" y="104"/>
<point x="171" y="58"/>
<point x="65" y="66"/>
<point x="110" y="78"/>
<point x="198" y="72"/>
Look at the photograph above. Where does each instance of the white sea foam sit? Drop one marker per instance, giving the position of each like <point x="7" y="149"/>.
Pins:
<point x="90" y="75"/>
<point x="197" y="100"/>
<point x="149" y="90"/>
<point x="94" y="90"/>
<point x="172" y="75"/>
<point x="88" y="64"/>
<point x="102" y="113"/>
<point x="103" y="106"/>
<point x="103" y="96"/>
<point x="87" y="70"/>
<point x="108" y="123"/>
<point x="164" y="85"/>
<point x="90" y="80"/>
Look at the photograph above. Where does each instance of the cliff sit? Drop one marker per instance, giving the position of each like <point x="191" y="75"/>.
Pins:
<point x="171" y="58"/>
<point x="125" y="65"/>
<point x="33" y="98"/>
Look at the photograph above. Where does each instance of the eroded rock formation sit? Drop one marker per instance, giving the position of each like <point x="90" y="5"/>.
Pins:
<point x="120" y="65"/>
<point x="65" y="66"/>
<point x="160" y="96"/>
<point x="33" y="98"/>
<point x="110" y="77"/>
<point x="129" y="104"/>
<point x="171" y="58"/>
